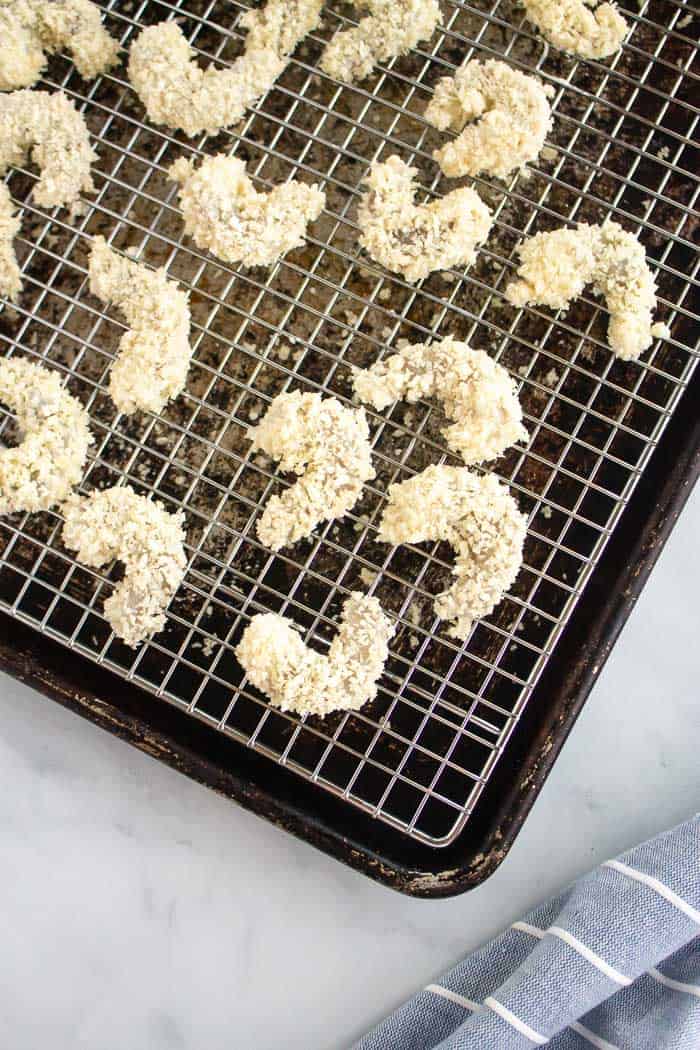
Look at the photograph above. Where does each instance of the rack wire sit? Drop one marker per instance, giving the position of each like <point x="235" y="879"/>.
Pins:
<point x="419" y="756"/>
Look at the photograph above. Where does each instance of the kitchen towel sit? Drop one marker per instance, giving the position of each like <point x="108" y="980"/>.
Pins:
<point x="612" y="962"/>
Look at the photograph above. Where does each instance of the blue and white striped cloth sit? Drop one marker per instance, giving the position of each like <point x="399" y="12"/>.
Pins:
<point x="613" y="962"/>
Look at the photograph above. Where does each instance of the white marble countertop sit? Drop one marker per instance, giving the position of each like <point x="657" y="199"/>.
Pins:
<point x="140" y="910"/>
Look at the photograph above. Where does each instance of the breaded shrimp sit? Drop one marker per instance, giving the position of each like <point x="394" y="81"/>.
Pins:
<point x="556" y="266"/>
<point x="55" y="436"/>
<point x="479" y="518"/>
<point x="154" y="355"/>
<point x="10" y="280"/>
<point x="584" y="27"/>
<point x="146" y="538"/>
<point x="297" y="678"/>
<point x="412" y="239"/>
<point x="510" y="112"/>
<point x="32" y="29"/>
<point x="477" y="393"/>
<point x="226" y="215"/>
<point x="325" y="443"/>
<point x="176" y="92"/>
<point x="47" y="127"/>
<point x="391" y="28"/>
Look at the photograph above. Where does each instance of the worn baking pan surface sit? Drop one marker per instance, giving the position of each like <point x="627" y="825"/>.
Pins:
<point x="418" y="768"/>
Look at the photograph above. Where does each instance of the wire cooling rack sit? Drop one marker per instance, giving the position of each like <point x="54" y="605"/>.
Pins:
<point x="419" y="756"/>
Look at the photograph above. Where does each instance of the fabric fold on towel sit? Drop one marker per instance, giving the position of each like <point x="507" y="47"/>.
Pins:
<point x="612" y="962"/>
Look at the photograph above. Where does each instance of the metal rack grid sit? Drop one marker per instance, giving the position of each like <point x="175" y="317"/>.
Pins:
<point x="419" y="756"/>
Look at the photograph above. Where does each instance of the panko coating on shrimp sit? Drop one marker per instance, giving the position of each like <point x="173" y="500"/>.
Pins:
<point x="225" y="214"/>
<point x="297" y="678"/>
<point x="48" y="128"/>
<point x="146" y="538"/>
<point x="325" y="443"/>
<point x="556" y="266"/>
<point x="176" y="92"/>
<point x="54" y="430"/>
<point x="391" y="28"/>
<point x="583" y="27"/>
<point x="479" y="518"/>
<point x="476" y="392"/>
<point x="503" y="117"/>
<point x="154" y="355"/>
<point x="10" y="280"/>
<point x="32" y="29"/>
<point x="412" y="239"/>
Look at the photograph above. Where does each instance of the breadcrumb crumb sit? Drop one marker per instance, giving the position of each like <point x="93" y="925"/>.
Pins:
<point x="225" y="214"/>
<point x="391" y="28"/>
<point x="176" y="92"/>
<point x="479" y="518"/>
<point x="660" y="330"/>
<point x="328" y="445"/>
<point x="146" y="538"/>
<point x="414" y="240"/>
<point x="511" y="113"/>
<point x="556" y="266"/>
<point x="50" y="128"/>
<point x="579" y="26"/>
<point x="10" y="280"/>
<point x="297" y="678"/>
<point x="31" y="29"/>
<point x="154" y="355"/>
<point x="55" y="436"/>
<point x="477" y="393"/>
